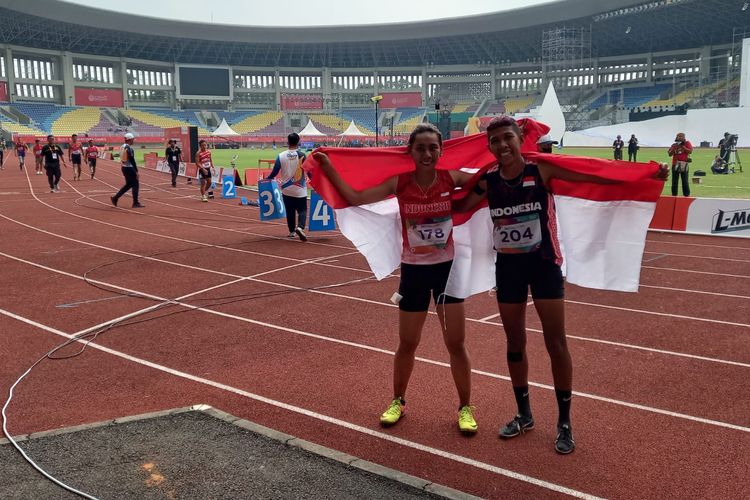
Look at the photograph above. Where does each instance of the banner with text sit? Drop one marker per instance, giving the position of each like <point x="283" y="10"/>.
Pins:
<point x="401" y="100"/>
<point x="104" y="98"/>
<point x="301" y="101"/>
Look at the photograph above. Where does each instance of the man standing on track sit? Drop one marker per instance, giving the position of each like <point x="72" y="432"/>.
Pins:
<point x="75" y="154"/>
<point x="52" y="154"/>
<point x="2" y="154"/>
<point x="92" y="153"/>
<point x="129" y="171"/>
<point x="21" y="152"/>
<point x="38" y="158"/>
<point x="205" y="164"/>
<point x="174" y="157"/>
<point x="293" y="186"/>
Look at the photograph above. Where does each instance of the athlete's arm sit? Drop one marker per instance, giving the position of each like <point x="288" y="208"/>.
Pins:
<point x="276" y="169"/>
<point x="471" y="200"/>
<point x="549" y="172"/>
<point x="354" y="197"/>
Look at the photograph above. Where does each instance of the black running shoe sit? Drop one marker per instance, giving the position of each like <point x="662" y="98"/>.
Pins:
<point x="137" y="205"/>
<point x="564" y="442"/>
<point x="301" y="233"/>
<point x="114" y="200"/>
<point x="517" y="426"/>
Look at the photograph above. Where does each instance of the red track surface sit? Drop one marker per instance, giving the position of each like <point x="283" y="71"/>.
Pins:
<point x="662" y="406"/>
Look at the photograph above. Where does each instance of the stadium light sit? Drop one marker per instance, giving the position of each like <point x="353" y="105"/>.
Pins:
<point x="376" y="99"/>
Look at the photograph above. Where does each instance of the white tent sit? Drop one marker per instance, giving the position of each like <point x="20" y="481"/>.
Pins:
<point x="224" y="129"/>
<point x="551" y="114"/>
<point x="352" y="130"/>
<point x="310" y="130"/>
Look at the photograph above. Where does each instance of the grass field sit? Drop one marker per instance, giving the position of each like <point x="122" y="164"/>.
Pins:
<point x="712" y="186"/>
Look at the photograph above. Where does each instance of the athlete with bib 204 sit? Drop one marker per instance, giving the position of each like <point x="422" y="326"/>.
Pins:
<point x="424" y="200"/>
<point x="528" y="256"/>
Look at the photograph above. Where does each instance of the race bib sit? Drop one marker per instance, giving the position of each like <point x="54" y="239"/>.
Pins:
<point x="174" y="158"/>
<point x="427" y="235"/>
<point x="54" y="156"/>
<point x="520" y="234"/>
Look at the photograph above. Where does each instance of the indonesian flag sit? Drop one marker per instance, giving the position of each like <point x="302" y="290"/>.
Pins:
<point x="602" y="227"/>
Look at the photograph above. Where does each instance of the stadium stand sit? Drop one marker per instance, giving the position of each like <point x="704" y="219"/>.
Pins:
<point x="269" y="122"/>
<point x="17" y="128"/>
<point x="76" y="121"/>
<point x="162" y="121"/>
<point x="364" y="119"/>
<point x="327" y="123"/>
<point x="496" y="108"/>
<point x="43" y="116"/>
<point x="632" y="96"/>
<point x="518" y="104"/>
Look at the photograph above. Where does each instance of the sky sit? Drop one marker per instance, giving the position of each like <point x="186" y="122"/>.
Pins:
<point x="307" y="13"/>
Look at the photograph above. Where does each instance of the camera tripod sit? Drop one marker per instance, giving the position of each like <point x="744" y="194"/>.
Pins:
<point x="734" y="164"/>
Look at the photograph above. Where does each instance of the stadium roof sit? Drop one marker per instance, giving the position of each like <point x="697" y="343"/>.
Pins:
<point x="512" y="36"/>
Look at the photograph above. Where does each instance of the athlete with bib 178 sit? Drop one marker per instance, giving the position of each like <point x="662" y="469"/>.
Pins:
<point x="424" y="201"/>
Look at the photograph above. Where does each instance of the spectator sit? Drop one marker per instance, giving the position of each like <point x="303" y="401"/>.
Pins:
<point x="544" y="144"/>
<point x="633" y="148"/>
<point x="724" y="148"/>
<point x="680" y="152"/>
<point x="617" y="146"/>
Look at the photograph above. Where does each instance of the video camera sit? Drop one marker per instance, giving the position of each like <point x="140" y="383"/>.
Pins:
<point x="731" y="141"/>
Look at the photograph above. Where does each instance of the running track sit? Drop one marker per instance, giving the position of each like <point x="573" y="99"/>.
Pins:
<point x="254" y="327"/>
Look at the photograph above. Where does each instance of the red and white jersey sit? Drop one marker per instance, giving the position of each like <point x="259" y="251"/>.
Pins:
<point x="92" y="152"/>
<point x="37" y="150"/>
<point x="426" y="222"/>
<point x="75" y="148"/>
<point x="21" y="148"/>
<point x="204" y="159"/>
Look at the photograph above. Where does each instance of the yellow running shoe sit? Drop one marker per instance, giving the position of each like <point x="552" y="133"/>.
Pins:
<point x="466" y="422"/>
<point x="393" y="413"/>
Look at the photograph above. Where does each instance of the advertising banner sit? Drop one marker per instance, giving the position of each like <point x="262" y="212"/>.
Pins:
<point x="3" y="91"/>
<point x="401" y="100"/>
<point x="301" y="101"/>
<point x="103" y="98"/>
<point x="725" y="217"/>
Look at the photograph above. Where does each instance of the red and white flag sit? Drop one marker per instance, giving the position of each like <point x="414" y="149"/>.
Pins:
<point x="602" y="227"/>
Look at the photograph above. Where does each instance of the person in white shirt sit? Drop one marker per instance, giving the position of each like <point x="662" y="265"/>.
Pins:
<point x="288" y="167"/>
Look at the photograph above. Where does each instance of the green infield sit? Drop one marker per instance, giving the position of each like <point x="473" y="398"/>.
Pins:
<point x="711" y="186"/>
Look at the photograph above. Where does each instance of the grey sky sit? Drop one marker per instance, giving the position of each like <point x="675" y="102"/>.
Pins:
<point x="308" y="13"/>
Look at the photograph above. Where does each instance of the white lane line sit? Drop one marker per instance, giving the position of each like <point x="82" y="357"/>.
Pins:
<point x="653" y="313"/>
<point x="702" y="257"/>
<point x="385" y="351"/>
<point x="702" y="292"/>
<point x="318" y="416"/>
<point x="671" y="269"/>
<point x="491" y="316"/>
<point x="723" y="247"/>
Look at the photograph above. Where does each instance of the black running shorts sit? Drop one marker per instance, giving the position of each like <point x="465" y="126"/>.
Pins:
<point x="516" y="273"/>
<point x="418" y="281"/>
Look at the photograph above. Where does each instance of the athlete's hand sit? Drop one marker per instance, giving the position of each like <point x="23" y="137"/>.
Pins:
<point x="322" y="159"/>
<point x="663" y="173"/>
